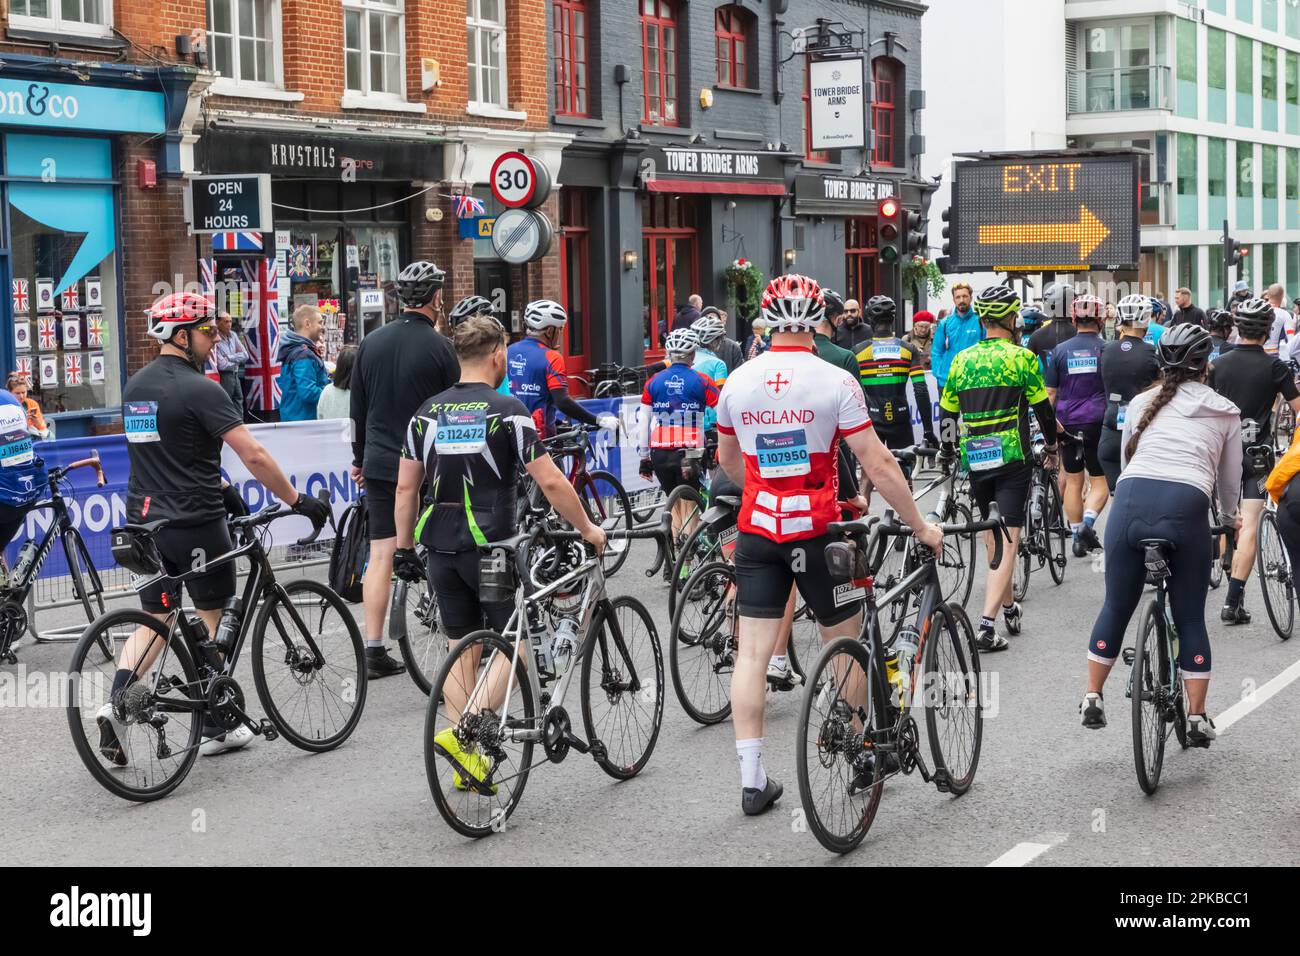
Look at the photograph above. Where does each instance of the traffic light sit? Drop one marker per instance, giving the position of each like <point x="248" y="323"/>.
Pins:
<point x="918" y="235"/>
<point x="1233" y="252"/>
<point x="888" y="234"/>
<point x="947" y="232"/>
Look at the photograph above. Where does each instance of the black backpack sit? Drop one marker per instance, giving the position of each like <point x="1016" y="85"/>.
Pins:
<point x="351" y="552"/>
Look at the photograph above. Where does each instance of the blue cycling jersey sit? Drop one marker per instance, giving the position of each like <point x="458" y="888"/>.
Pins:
<point x="715" y="370"/>
<point x="1154" y="331"/>
<point x="22" y="474"/>
<point x="535" y="371"/>
<point x="679" y="398"/>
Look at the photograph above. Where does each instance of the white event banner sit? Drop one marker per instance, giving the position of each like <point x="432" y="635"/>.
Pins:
<point x="837" y="103"/>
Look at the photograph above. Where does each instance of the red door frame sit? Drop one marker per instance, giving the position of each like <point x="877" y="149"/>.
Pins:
<point x="861" y="260"/>
<point x="575" y="236"/>
<point x="650" y="237"/>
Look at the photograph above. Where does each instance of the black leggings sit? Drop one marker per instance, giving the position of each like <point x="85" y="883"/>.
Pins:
<point x="1288" y="521"/>
<point x="11" y="519"/>
<point x="1146" y="508"/>
<point x="1108" y="450"/>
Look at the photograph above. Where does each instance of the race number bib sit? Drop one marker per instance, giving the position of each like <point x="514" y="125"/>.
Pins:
<point x="1120" y="415"/>
<point x="140" y="420"/>
<point x="461" y="431"/>
<point x="1082" y="363"/>
<point x="15" y="449"/>
<point x="984" y="454"/>
<point x="783" y="455"/>
<point x="886" y="350"/>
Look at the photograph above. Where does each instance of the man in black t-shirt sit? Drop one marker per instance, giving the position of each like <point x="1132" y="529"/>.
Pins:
<point x="1128" y="367"/>
<point x="398" y="366"/>
<point x="176" y="420"/>
<point x="1253" y="380"/>
<point x="1058" y="306"/>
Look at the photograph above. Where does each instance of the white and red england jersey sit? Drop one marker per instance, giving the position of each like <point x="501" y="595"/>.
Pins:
<point x="788" y="409"/>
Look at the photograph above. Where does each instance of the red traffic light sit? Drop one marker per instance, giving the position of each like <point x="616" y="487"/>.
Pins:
<point x="888" y="208"/>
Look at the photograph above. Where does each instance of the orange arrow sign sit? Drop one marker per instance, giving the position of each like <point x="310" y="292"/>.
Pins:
<point x="1089" y="232"/>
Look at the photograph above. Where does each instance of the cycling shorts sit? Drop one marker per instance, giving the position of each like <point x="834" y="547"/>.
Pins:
<point x="1252" y="486"/>
<point x="381" y="499"/>
<point x="1076" y="456"/>
<point x="765" y="572"/>
<point x="454" y="579"/>
<point x="181" y="550"/>
<point x="1009" y="489"/>
<point x="667" y="465"/>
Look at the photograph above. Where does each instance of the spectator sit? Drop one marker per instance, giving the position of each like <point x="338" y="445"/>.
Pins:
<point x="302" y="370"/>
<point x="958" y="331"/>
<point x="686" y="316"/>
<point x="756" y="342"/>
<point x="1186" y="311"/>
<point x="943" y="314"/>
<point x="231" y="356"/>
<point x="19" y="387"/>
<point x="1283" y="330"/>
<point x="1240" y="293"/>
<point x="921" y="337"/>
<point x="336" y="399"/>
<point x="696" y="302"/>
<point x="851" y="333"/>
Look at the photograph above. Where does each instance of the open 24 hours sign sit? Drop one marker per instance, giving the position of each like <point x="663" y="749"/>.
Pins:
<point x="1046" y="212"/>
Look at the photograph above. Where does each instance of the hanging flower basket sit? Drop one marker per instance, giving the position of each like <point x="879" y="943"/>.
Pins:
<point x="745" y="282"/>
<point x="921" y="273"/>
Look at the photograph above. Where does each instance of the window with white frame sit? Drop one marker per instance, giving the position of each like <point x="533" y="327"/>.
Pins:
<point x="485" y="22"/>
<point x="66" y="16"/>
<point x="240" y="40"/>
<point x="372" y="47"/>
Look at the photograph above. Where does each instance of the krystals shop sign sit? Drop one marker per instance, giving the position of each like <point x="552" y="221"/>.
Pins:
<point x="320" y="156"/>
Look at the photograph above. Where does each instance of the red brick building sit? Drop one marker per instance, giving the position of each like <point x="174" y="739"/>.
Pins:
<point x="368" y="115"/>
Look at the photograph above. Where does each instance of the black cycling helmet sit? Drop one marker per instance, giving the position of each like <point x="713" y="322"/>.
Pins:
<point x="1186" y="346"/>
<point x="1220" y="321"/>
<point x="834" y="303"/>
<point x="998" y="305"/>
<point x="467" y="308"/>
<point x="880" y="311"/>
<point x="1254" y="318"/>
<point x="418" y="283"/>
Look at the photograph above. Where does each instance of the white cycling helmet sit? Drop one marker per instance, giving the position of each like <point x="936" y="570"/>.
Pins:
<point x="1134" y="310"/>
<point x="1056" y="300"/>
<point x="709" y="329"/>
<point x="792" y="303"/>
<point x="545" y="314"/>
<point x="681" y="342"/>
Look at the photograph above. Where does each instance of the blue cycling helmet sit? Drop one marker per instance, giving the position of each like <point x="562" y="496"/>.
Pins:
<point x="1031" y="317"/>
<point x="1158" y="309"/>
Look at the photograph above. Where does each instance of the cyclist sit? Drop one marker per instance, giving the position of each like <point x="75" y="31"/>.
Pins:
<point x="824" y="336"/>
<point x="1253" y="380"/>
<point x="1074" y="386"/>
<point x="887" y="366"/>
<point x="957" y="331"/>
<point x="536" y="371"/>
<point x="1057" y="304"/>
<point x="1128" y="366"/>
<point x="992" y="386"/>
<point x="1156" y="327"/>
<point x="707" y="362"/>
<point x="176" y="420"/>
<point x="780" y="421"/>
<point x="472" y="442"/>
<point x="1220" y="325"/>
<point x="467" y="308"/>
<point x="1180" y="440"/>
<point x="1030" y="321"/>
<point x="22" y="472"/>
<point x="711" y="327"/>
<point x="399" y="365"/>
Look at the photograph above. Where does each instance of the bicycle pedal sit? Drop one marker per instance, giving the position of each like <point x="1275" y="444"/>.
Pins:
<point x="582" y="746"/>
<point x="942" y="781"/>
<point x="267" y="730"/>
<point x="1129" y="654"/>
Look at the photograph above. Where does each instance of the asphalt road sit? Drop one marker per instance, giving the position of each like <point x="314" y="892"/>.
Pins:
<point x="1047" y="792"/>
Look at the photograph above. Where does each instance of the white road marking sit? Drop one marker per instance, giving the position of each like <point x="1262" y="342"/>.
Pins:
<point x="1243" y="707"/>
<point x="1024" y="853"/>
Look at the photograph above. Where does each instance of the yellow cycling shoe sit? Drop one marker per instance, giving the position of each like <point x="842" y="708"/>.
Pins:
<point x="476" y="765"/>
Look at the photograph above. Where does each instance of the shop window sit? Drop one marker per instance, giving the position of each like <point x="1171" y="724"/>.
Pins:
<point x="570" y="56"/>
<point x="575" y="242"/>
<point x="485" y="22"/>
<point x="812" y="155"/>
<point x="659" y="62"/>
<point x="62" y="264"/>
<point x="669" y="260"/>
<point x="860" y="253"/>
<point x="240" y="40"/>
<point x="372" y="47"/>
<point x="93" y="17"/>
<point x="887" y="74"/>
<point x="733" y="31"/>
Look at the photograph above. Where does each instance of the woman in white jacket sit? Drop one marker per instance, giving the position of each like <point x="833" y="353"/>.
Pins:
<point x="1180" y="440"/>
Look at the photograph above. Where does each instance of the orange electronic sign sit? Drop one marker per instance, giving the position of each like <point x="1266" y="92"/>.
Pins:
<point x="1046" y="212"/>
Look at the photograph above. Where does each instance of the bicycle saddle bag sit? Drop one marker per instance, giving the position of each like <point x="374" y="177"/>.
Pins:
<point x="135" y="551"/>
<point x="497" y="579"/>
<point x="1258" y="460"/>
<point x="846" y="562"/>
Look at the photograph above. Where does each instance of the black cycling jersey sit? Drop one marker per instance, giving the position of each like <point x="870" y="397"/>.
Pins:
<point x="1043" y="342"/>
<point x="1251" y="379"/>
<point x="174" y="417"/>
<point x="400" y="365"/>
<point x="1127" y="368"/>
<point x="472" y="440"/>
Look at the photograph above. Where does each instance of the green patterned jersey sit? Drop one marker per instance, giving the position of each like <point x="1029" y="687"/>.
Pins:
<point x="992" y="385"/>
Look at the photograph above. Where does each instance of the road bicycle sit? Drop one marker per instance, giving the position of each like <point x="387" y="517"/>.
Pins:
<point x="87" y="587"/>
<point x="498" y="698"/>
<point x="856" y="727"/>
<point x="1273" y="565"/>
<point x="1155" y="684"/>
<point x="308" y="666"/>
<point x="1042" y="541"/>
<point x="414" y="622"/>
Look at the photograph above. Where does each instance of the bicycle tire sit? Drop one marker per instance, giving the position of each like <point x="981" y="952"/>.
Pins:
<point x="499" y="811"/>
<point x="351" y="684"/>
<point x="423" y="645"/>
<point x="1055" y="532"/>
<point x="1023" y="568"/>
<point x="617" y="518"/>
<point x="111" y="779"/>
<point x="1275" y="576"/>
<point x="963" y="550"/>
<point x="677" y="540"/>
<point x="74" y="548"/>
<point x="693" y="556"/>
<point x="1148" y="721"/>
<point x="622" y="765"/>
<point x="804" y="631"/>
<point x="831" y="741"/>
<point x="958" y="635"/>
<point x="717" y="579"/>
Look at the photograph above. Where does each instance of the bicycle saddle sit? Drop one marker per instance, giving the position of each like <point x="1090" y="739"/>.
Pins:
<point x="148" y="527"/>
<point x="1162" y="544"/>
<point x="510" y="544"/>
<point x="731" y="501"/>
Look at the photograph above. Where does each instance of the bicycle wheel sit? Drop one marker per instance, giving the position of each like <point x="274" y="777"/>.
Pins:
<point x="413" y="618"/>
<point x="954" y="711"/>
<point x="839" y="783"/>
<point x="1055" y="532"/>
<point x="86" y="584"/>
<point x="702" y="643"/>
<point x="1024" y="567"/>
<point x="481" y="710"/>
<point x="646" y="502"/>
<point x="1275" y="576"/>
<point x="956" y="566"/>
<point x="315" y="702"/>
<point x="1216" y="558"/>
<point x="624" y="707"/>
<point x="699" y="548"/>
<point x="690" y="504"/>
<point x="158" y="737"/>
<point x="805" y="639"/>
<point x="1148" y="696"/>
<point x="606" y="504"/>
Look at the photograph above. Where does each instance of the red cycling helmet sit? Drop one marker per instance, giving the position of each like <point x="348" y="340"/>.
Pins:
<point x="177" y="310"/>
<point x="793" y="303"/>
<point x="1087" y="307"/>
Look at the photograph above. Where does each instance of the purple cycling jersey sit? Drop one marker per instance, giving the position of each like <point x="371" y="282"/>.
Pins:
<point x="1075" y="373"/>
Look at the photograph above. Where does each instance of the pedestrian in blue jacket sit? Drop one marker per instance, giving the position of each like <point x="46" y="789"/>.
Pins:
<point x="302" y="370"/>
<point x="958" y="331"/>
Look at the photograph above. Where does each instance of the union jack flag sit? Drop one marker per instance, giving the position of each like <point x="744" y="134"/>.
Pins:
<point x="71" y="298"/>
<point x="24" y="363"/>
<point x="95" y="331"/>
<point x="262" y="330"/>
<point x="237" y="242"/>
<point x="72" y="369"/>
<point x="21" y="300"/>
<point x="46" y="335"/>
<point x="467" y="207"/>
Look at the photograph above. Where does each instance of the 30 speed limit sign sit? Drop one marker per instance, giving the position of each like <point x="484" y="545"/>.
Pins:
<point x="519" y="181"/>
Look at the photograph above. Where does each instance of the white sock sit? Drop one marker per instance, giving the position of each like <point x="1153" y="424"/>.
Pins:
<point x="778" y="660"/>
<point x="1089" y="517"/>
<point x="752" y="774"/>
<point x="377" y="643"/>
<point x="1075" y="526"/>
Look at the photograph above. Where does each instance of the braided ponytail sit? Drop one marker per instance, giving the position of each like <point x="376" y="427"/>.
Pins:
<point x="1171" y="380"/>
